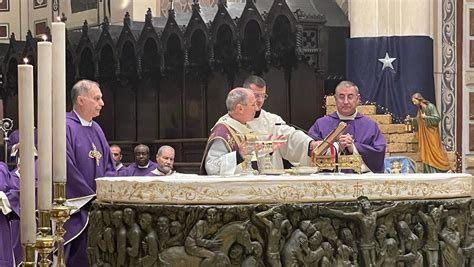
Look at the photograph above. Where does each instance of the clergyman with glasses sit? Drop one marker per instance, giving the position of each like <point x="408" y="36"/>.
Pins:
<point x="362" y="135"/>
<point x="299" y="145"/>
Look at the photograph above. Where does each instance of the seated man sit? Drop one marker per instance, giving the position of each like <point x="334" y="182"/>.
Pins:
<point x="362" y="135"/>
<point x="117" y="156"/>
<point x="164" y="161"/>
<point x="142" y="165"/>
<point x="225" y="149"/>
<point x="298" y="145"/>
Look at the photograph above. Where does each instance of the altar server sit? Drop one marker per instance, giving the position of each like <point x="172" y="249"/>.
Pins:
<point x="299" y="145"/>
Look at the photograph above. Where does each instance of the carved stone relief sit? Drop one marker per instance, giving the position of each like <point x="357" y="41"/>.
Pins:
<point x="359" y="233"/>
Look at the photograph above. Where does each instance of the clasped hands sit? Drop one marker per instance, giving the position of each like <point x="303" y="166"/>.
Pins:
<point x="344" y="140"/>
<point x="245" y="149"/>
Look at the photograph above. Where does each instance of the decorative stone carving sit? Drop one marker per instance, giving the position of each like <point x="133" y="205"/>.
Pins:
<point x="306" y="234"/>
<point x="194" y="189"/>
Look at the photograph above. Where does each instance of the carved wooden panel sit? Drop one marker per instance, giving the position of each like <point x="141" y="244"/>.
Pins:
<point x="277" y="89"/>
<point x="4" y="31"/>
<point x="147" y="108"/>
<point x="307" y="96"/>
<point x="471" y="21"/>
<point x="125" y="114"/>
<point x="40" y="27"/>
<point x="471" y="53"/>
<point x="4" y="5"/>
<point x="171" y="107"/>
<point x="471" y="137"/>
<point x="218" y="88"/>
<point x="471" y="106"/>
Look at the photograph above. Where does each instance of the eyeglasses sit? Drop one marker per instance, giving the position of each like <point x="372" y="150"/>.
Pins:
<point x="251" y="105"/>
<point x="264" y="96"/>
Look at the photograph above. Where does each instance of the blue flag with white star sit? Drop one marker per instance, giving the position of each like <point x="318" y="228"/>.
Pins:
<point x="389" y="70"/>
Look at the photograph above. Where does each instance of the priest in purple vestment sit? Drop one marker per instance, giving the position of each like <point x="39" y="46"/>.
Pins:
<point x="6" y="242"/>
<point x="142" y="165"/>
<point x="117" y="156"/>
<point x="10" y="211"/>
<point x="164" y="161"/>
<point x="362" y="135"/>
<point x="88" y="157"/>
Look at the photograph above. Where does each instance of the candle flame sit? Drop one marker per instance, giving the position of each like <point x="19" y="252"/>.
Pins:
<point x="25" y="60"/>
<point x="45" y="38"/>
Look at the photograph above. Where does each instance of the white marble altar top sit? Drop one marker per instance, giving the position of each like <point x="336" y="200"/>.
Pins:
<point x="194" y="189"/>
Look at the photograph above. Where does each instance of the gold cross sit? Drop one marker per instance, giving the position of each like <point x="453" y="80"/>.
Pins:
<point x="94" y="153"/>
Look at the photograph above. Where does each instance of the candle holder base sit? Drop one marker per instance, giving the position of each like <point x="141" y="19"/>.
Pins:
<point x="28" y="255"/>
<point x="60" y="214"/>
<point x="45" y="241"/>
<point x="45" y="246"/>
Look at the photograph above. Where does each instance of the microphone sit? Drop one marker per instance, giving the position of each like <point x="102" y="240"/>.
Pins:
<point x="292" y="125"/>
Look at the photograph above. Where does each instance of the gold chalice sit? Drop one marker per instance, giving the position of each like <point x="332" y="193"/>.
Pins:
<point x="249" y="140"/>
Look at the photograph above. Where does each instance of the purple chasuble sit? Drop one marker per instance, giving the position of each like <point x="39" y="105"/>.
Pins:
<point x="14" y="197"/>
<point x="227" y="134"/>
<point x="88" y="157"/>
<point x="122" y="171"/>
<point x="134" y="170"/>
<point x="6" y="236"/>
<point x="368" y="139"/>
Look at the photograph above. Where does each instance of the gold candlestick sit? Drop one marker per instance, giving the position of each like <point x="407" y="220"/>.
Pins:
<point x="44" y="240"/>
<point x="28" y="255"/>
<point x="60" y="214"/>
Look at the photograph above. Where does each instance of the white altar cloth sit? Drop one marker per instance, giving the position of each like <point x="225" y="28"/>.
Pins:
<point x="194" y="189"/>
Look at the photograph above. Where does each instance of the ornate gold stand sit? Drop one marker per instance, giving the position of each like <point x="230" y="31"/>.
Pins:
<point x="44" y="240"/>
<point x="28" y="255"/>
<point x="345" y="162"/>
<point x="60" y="214"/>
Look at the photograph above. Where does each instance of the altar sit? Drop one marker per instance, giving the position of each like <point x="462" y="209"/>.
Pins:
<point x="285" y="220"/>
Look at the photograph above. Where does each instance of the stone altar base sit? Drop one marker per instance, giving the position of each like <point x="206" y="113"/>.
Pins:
<point x="348" y="233"/>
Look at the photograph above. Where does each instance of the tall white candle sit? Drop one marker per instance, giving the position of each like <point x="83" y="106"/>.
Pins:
<point x="27" y="167"/>
<point x="58" y="32"/>
<point x="45" y="145"/>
